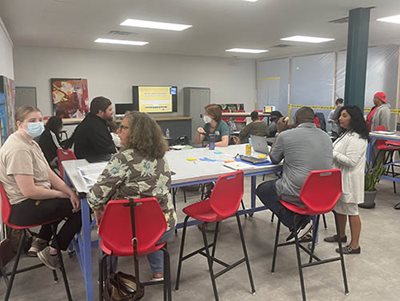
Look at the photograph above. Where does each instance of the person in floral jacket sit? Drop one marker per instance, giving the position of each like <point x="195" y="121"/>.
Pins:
<point x="139" y="170"/>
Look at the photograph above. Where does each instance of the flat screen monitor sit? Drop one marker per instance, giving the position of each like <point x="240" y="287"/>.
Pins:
<point x="121" y="108"/>
<point x="155" y="99"/>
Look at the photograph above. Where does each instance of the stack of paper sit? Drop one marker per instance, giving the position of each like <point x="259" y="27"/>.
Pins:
<point x="91" y="172"/>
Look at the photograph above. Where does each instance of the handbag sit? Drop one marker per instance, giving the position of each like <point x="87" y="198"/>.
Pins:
<point x="123" y="287"/>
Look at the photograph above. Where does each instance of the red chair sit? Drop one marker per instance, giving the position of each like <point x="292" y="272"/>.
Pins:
<point x="388" y="148"/>
<point x="126" y="229"/>
<point x="320" y="193"/>
<point x="5" y="214"/>
<point x="64" y="155"/>
<point x="223" y="203"/>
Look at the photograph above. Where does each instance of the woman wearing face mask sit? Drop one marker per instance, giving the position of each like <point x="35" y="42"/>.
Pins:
<point x="275" y="116"/>
<point x="213" y="125"/>
<point x="37" y="195"/>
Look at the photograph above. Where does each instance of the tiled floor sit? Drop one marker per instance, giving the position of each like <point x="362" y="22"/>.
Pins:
<point x="373" y="275"/>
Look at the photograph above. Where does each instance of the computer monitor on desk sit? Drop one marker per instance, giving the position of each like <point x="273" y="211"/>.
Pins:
<point x="122" y="108"/>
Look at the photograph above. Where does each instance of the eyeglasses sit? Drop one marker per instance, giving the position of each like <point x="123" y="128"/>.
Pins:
<point x="123" y="127"/>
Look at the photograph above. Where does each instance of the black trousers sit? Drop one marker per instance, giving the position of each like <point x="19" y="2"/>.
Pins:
<point x="36" y="212"/>
<point x="269" y="197"/>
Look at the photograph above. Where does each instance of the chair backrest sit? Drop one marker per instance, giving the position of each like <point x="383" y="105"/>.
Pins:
<point x="115" y="227"/>
<point x="5" y="205"/>
<point x="380" y="143"/>
<point x="228" y="192"/>
<point x="64" y="155"/>
<point x="321" y="190"/>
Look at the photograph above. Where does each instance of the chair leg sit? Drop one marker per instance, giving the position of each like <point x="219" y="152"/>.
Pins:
<point x="346" y="287"/>
<point x="102" y="268"/>
<point x="167" y="276"/>
<point x="62" y="267"/>
<point x="210" y="264"/>
<point x="246" y="256"/>
<point x="275" y="246"/>
<point x="314" y="237"/>
<point x="272" y="217"/>
<point x="243" y="207"/>
<point x="14" y="269"/>
<point x="55" y="277"/>
<point x="215" y="241"/>
<point x="178" y="275"/>
<point x="299" y="265"/>
<point x="324" y="220"/>
<point x="184" y="195"/>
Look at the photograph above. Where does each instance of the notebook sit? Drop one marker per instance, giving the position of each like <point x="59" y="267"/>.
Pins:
<point x="254" y="160"/>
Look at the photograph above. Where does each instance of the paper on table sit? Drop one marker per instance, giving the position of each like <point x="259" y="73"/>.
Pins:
<point x="91" y="172"/>
<point x="239" y="165"/>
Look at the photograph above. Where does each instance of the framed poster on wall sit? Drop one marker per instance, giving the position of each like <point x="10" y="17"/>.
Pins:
<point x="7" y="108"/>
<point x="70" y="97"/>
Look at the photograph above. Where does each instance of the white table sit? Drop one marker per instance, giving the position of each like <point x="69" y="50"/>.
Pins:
<point x="206" y="168"/>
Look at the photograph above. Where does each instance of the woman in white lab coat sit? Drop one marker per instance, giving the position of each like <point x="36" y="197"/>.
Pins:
<point x="349" y="155"/>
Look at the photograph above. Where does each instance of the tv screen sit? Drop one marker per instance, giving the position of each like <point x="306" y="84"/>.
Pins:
<point x="121" y="108"/>
<point x="155" y="99"/>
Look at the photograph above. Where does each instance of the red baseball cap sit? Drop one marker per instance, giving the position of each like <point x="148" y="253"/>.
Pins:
<point x="381" y="96"/>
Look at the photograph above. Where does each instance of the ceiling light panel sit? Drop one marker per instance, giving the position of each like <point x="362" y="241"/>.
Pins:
<point x="121" y="42"/>
<point x="245" y="50"/>
<point x="307" y="39"/>
<point x="392" y="19"/>
<point x="155" y="25"/>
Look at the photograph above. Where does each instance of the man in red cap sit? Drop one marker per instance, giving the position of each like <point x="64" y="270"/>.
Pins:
<point x="380" y="113"/>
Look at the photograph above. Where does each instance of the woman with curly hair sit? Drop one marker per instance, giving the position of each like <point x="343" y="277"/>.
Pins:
<point x="139" y="170"/>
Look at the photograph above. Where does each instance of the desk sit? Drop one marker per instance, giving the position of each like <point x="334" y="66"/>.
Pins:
<point x="206" y="168"/>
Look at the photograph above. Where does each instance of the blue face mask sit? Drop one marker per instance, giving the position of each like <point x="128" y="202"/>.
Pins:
<point x="35" y="129"/>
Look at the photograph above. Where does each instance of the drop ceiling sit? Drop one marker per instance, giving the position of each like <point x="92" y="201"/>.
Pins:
<point x="217" y="24"/>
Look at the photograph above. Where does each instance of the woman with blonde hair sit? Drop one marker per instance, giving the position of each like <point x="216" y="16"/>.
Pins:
<point x="37" y="195"/>
<point x="139" y="170"/>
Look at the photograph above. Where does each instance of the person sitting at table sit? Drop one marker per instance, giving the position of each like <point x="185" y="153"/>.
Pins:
<point x="273" y="119"/>
<point x="213" y="125"/>
<point x="380" y="113"/>
<point x="349" y="155"/>
<point x="50" y="140"/>
<point x="139" y="170"/>
<point x="37" y="195"/>
<point x="257" y="127"/>
<point x="92" y="136"/>
<point x="303" y="148"/>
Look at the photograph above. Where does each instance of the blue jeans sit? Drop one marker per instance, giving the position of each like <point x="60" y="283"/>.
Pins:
<point x="266" y="192"/>
<point x="156" y="259"/>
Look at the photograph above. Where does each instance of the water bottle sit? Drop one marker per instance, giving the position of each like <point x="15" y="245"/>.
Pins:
<point x="211" y="145"/>
<point x="167" y="133"/>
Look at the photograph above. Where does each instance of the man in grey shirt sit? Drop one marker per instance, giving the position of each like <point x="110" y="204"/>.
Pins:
<point x="303" y="148"/>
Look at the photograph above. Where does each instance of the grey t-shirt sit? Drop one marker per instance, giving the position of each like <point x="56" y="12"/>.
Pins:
<point x="303" y="149"/>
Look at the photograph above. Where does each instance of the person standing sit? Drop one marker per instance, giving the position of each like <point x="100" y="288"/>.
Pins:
<point x="257" y="127"/>
<point x="333" y="118"/>
<point x="380" y="113"/>
<point x="349" y="155"/>
<point x="92" y="136"/>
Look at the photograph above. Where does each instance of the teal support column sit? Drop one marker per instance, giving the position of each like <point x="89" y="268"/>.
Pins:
<point x="357" y="51"/>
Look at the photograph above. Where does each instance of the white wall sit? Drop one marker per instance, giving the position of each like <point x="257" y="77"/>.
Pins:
<point x="6" y="53"/>
<point x="112" y="74"/>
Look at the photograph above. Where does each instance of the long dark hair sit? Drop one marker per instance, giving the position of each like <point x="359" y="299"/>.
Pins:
<point x="357" y="121"/>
